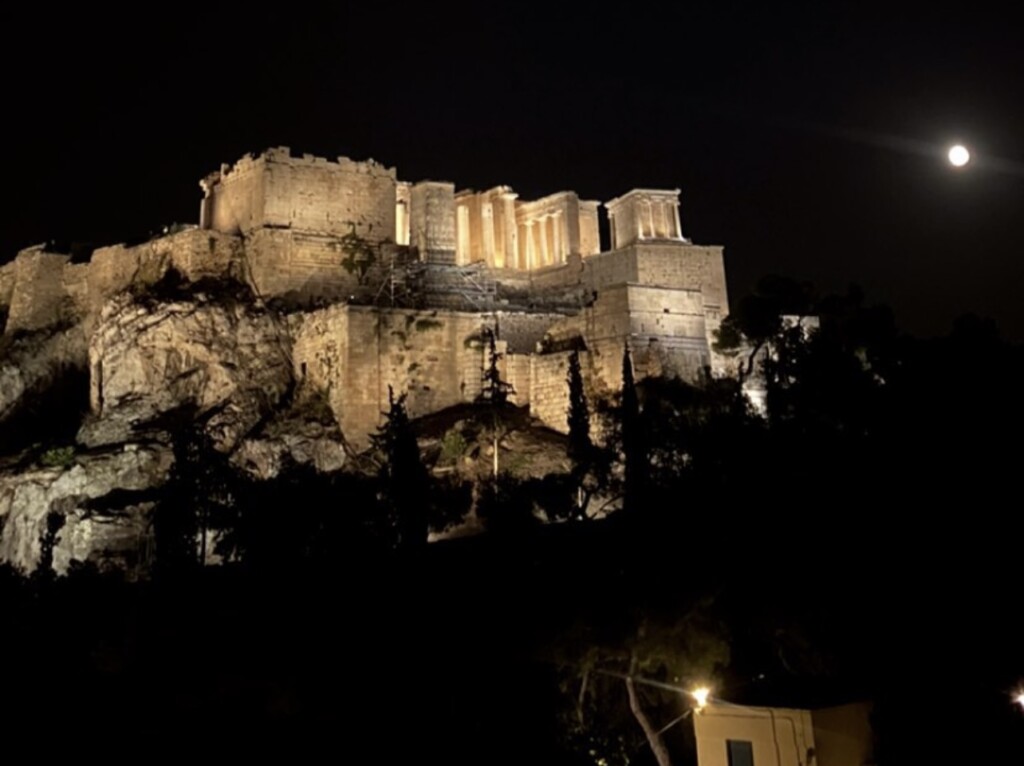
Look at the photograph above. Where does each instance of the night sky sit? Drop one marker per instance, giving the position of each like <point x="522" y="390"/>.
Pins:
<point x="800" y="137"/>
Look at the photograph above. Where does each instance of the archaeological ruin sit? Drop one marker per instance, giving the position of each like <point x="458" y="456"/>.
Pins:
<point x="391" y="283"/>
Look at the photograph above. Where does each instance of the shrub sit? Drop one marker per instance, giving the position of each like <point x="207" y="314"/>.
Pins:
<point x="58" y="457"/>
<point x="453" y="445"/>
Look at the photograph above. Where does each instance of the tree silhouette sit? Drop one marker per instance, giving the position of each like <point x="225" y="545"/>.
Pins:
<point x="634" y="446"/>
<point x="194" y="501"/>
<point x="626" y="674"/>
<point x="494" y="391"/>
<point x="582" y="452"/>
<point x="759" y="320"/>
<point x="405" y="481"/>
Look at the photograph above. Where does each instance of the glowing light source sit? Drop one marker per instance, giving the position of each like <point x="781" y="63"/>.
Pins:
<point x="959" y="156"/>
<point x="700" y="696"/>
<point x="1019" y="698"/>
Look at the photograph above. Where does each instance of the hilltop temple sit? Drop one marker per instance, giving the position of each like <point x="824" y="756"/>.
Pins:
<point x="385" y="283"/>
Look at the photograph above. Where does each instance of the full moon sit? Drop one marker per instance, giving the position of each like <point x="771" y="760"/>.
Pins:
<point x="959" y="156"/>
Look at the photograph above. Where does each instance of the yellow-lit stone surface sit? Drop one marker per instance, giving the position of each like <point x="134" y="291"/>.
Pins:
<point x="384" y="282"/>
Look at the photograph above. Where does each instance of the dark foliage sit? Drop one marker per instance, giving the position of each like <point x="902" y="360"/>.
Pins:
<point x="853" y="543"/>
<point x="405" y="483"/>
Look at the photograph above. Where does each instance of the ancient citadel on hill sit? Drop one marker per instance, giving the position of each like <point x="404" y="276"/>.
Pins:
<point x="392" y="283"/>
<point x="307" y="290"/>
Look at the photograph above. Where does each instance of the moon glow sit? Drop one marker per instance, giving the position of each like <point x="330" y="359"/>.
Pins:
<point x="959" y="156"/>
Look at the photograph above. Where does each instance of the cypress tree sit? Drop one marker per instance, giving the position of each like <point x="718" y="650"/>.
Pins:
<point x="405" y="478"/>
<point x="578" y="416"/>
<point x="633" y="448"/>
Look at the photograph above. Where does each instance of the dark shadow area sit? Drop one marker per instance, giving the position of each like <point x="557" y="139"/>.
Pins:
<point x="854" y="543"/>
<point x="48" y="418"/>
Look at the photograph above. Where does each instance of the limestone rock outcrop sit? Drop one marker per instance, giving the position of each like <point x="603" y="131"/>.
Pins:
<point x="226" y="362"/>
<point x="105" y="501"/>
<point x="305" y="435"/>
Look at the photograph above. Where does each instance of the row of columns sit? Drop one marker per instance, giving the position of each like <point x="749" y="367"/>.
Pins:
<point x="543" y="241"/>
<point x="657" y="221"/>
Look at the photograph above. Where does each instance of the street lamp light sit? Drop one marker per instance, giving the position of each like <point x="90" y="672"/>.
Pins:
<point x="700" y="696"/>
<point x="1019" y="698"/>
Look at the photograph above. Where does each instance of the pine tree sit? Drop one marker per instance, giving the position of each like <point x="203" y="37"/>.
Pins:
<point x="494" y="391"/>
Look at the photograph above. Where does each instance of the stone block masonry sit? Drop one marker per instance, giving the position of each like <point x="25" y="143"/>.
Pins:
<point x="37" y="298"/>
<point x="307" y="193"/>
<point x="405" y="276"/>
<point x="352" y="354"/>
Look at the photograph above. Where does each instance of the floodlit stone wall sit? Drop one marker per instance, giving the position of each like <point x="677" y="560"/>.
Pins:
<point x="234" y="197"/>
<point x="549" y="390"/>
<point x="307" y="193"/>
<point x="524" y="332"/>
<point x="45" y="289"/>
<point x="352" y="354"/>
<point x="665" y="330"/>
<point x="282" y="262"/>
<point x="195" y="254"/>
<point x="37" y="299"/>
<point x="291" y="227"/>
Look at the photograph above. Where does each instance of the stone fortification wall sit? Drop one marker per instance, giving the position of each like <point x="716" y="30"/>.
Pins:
<point x="352" y="354"/>
<point x="234" y="196"/>
<point x="282" y="262"/>
<point x="194" y="253"/>
<point x="672" y="266"/>
<point x="665" y="329"/>
<point x="615" y="268"/>
<point x="46" y="289"/>
<point x="75" y="283"/>
<point x="523" y="332"/>
<point x="691" y="267"/>
<point x="516" y="371"/>
<point x="549" y="388"/>
<point x="37" y="298"/>
<point x="307" y="193"/>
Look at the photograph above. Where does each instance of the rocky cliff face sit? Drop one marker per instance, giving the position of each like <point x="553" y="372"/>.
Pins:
<point x="105" y="502"/>
<point x="226" y="363"/>
<point x="219" y="362"/>
<point x="175" y="359"/>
